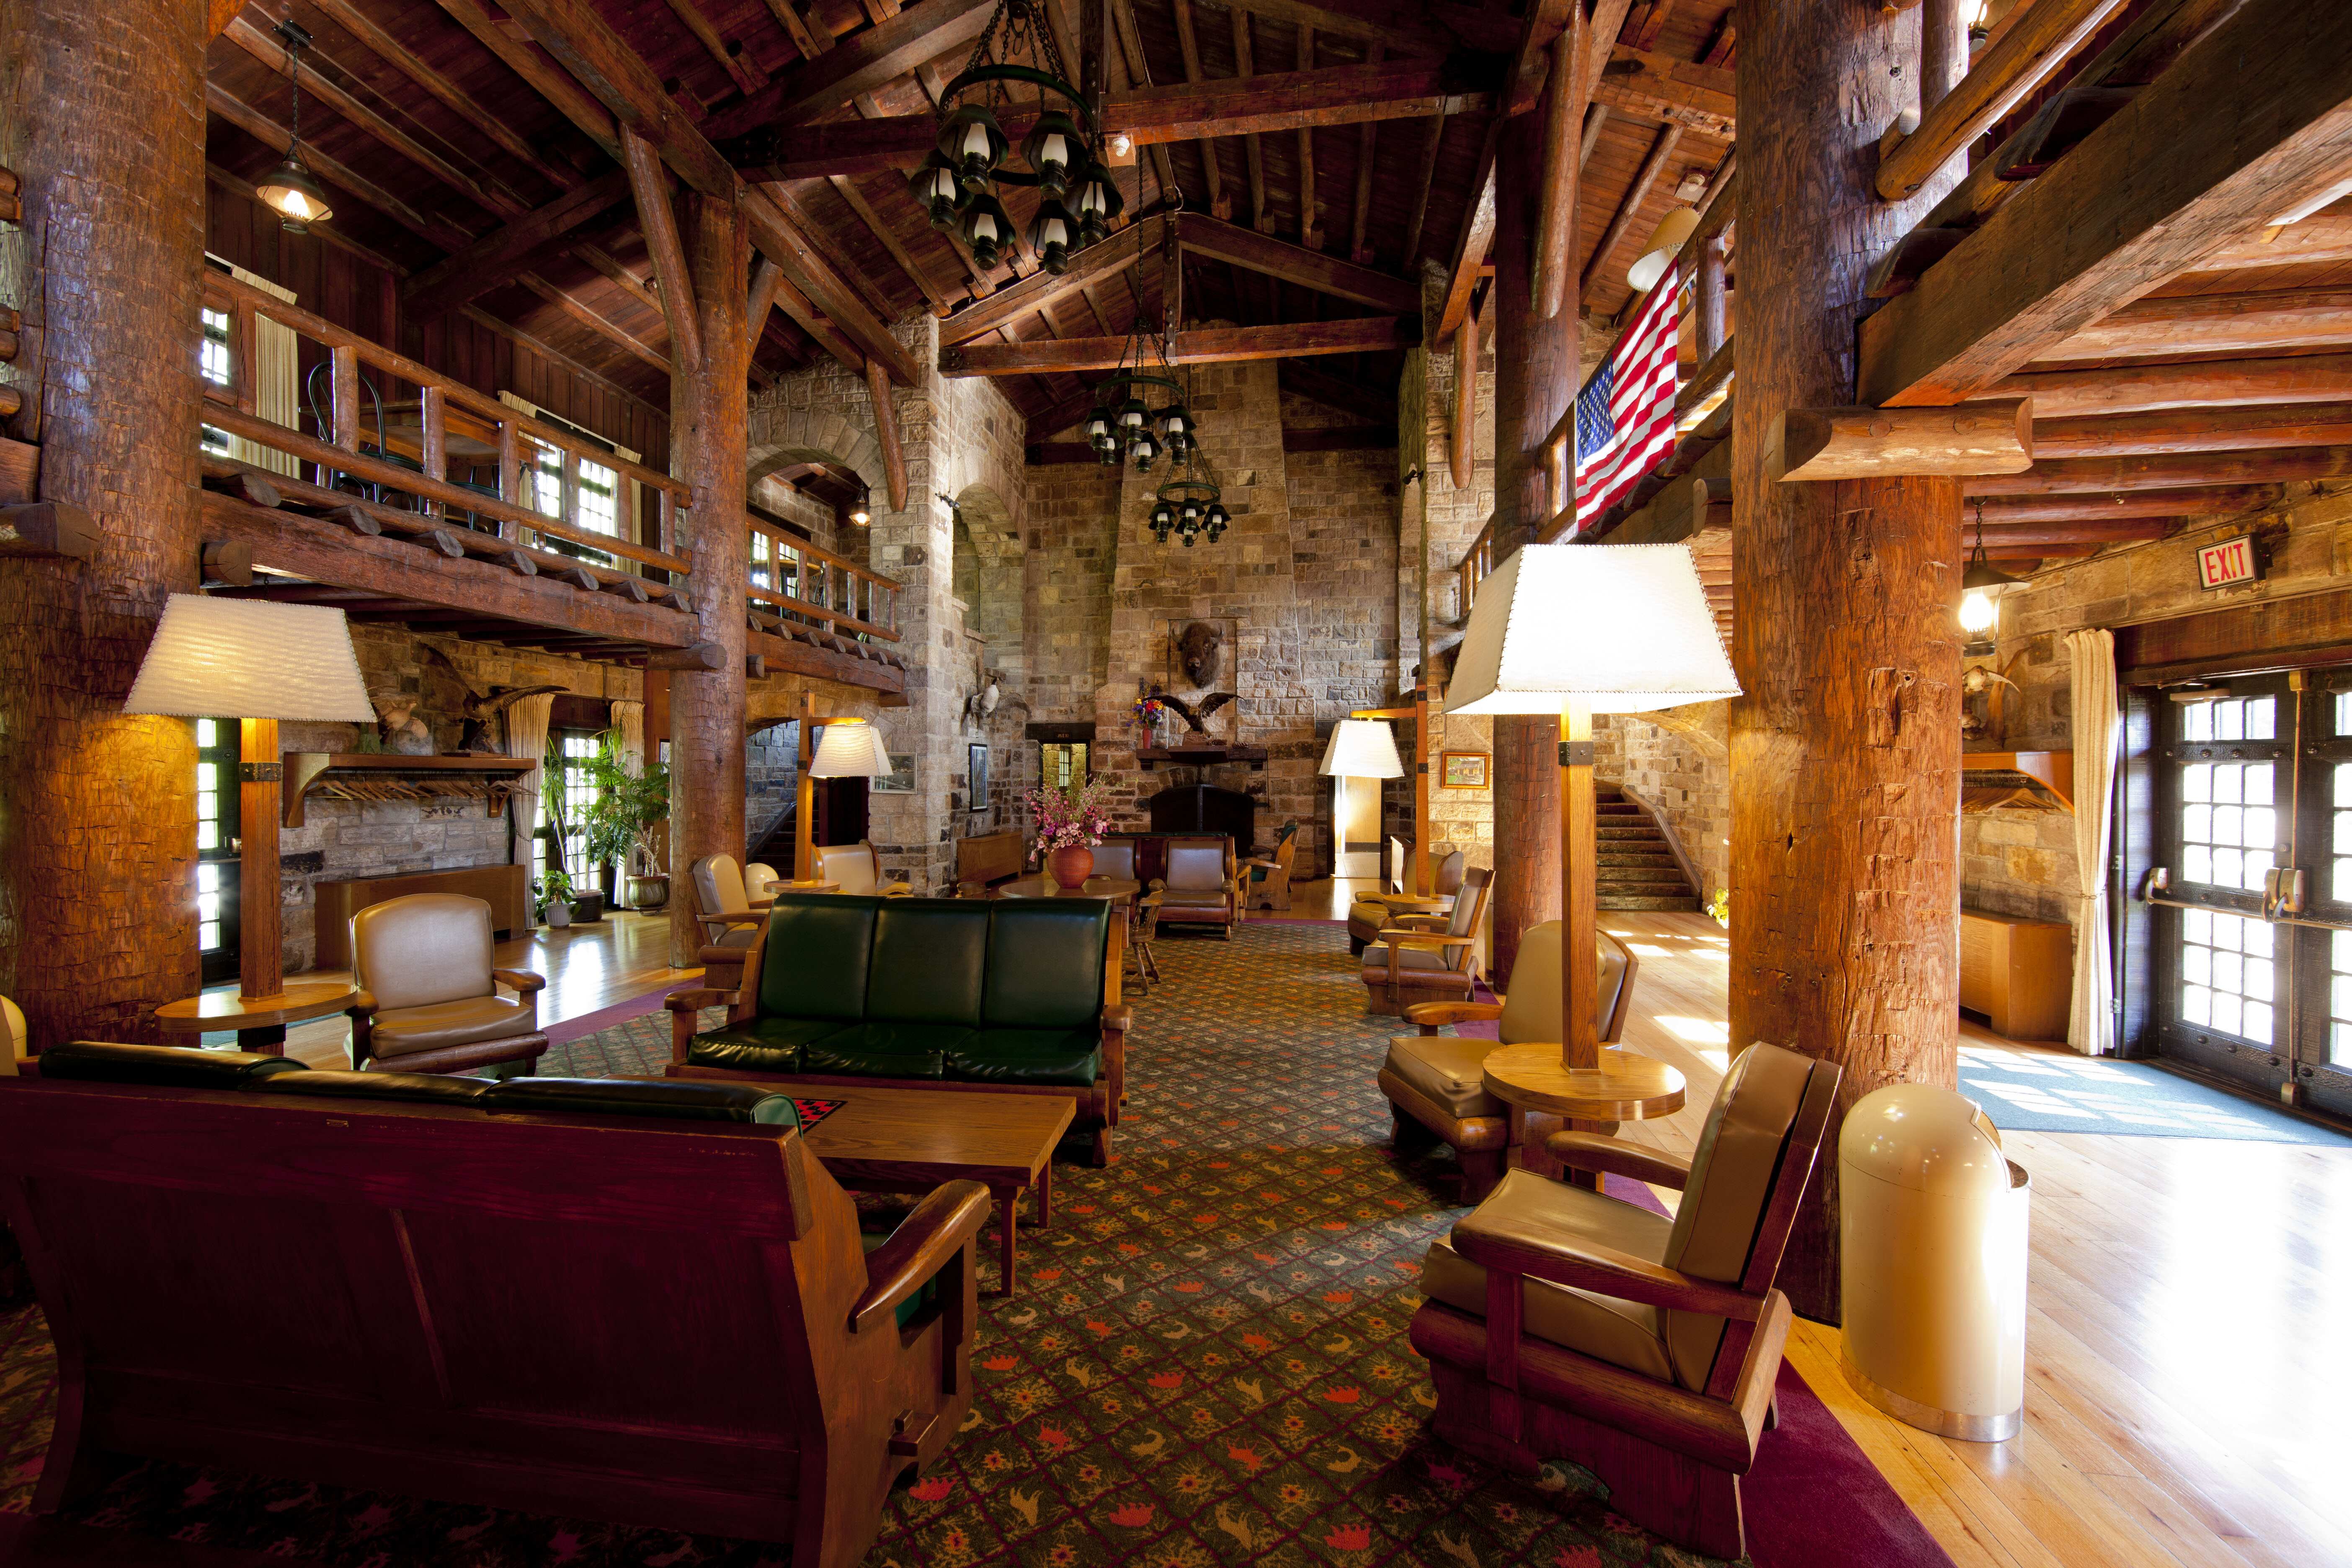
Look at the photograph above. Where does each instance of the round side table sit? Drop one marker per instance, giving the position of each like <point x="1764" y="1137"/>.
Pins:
<point x="260" y="1021"/>
<point x="1542" y="1094"/>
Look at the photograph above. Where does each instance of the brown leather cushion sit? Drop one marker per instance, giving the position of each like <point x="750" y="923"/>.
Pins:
<point x="445" y="1023"/>
<point x="1531" y="1208"/>
<point x="1115" y="860"/>
<point x="422" y="948"/>
<point x="1195" y="868"/>
<point x="1449" y="1071"/>
<point x="1376" y="960"/>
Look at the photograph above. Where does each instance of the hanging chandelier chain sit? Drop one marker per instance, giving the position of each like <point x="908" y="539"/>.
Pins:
<point x="1013" y="24"/>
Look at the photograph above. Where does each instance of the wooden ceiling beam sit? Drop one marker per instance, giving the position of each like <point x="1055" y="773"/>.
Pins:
<point x="2244" y="127"/>
<point x="564" y="361"/>
<point x="595" y="322"/>
<point x="1205" y="236"/>
<point x="1309" y="235"/>
<point x="609" y="265"/>
<point x="1058" y="416"/>
<point x="1253" y="150"/>
<point x="1359" y="251"/>
<point x="1403" y="29"/>
<point x="2143" y="388"/>
<point x="1424" y="179"/>
<point x="657" y="220"/>
<point x="2188" y="501"/>
<point x="2184" y="324"/>
<point x="811" y="38"/>
<point x="400" y="57"/>
<point x="2196" y="430"/>
<point x="542" y="74"/>
<point x="323" y="232"/>
<point x="860" y="63"/>
<point x="2067" y="476"/>
<point x="2326" y="239"/>
<point x="1129" y="54"/>
<point x="1088" y="268"/>
<point x="1658" y="88"/>
<point x="1208" y="345"/>
<point x="1629" y="210"/>
<point x="1187" y="45"/>
<point x="731" y="58"/>
<point x="887" y="237"/>
<point x="1470" y="248"/>
<point x="500" y="256"/>
<point x="2087" y="530"/>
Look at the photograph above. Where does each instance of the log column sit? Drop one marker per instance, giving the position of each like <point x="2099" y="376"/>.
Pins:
<point x="102" y="115"/>
<point x="1845" y="749"/>
<point x="707" y="718"/>
<point x="1535" y="381"/>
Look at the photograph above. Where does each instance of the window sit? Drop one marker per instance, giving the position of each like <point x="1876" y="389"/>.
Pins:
<point x="214" y="365"/>
<point x="568" y="796"/>
<point x="599" y="488"/>
<point x="216" y="847"/>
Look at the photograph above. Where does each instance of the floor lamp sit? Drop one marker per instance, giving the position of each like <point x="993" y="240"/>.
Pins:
<point x="1575" y="631"/>
<point x="847" y="748"/>
<point x="258" y="663"/>
<point x="1359" y="749"/>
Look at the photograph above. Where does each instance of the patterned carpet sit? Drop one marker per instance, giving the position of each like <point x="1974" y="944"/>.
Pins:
<point x="1207" y="1362"/>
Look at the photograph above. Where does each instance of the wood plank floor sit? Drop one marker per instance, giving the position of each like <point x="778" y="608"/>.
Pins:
<point x="2188" y="1374"/>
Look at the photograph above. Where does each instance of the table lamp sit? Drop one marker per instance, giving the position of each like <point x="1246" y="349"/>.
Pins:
<point x="258" y="663"/>
<point x="846" y="748"/>
<point x="1575" y="630"/>
<point x="1359" y="749"/>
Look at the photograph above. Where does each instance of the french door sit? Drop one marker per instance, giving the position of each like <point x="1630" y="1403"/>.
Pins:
<point x="2254" y="930"/>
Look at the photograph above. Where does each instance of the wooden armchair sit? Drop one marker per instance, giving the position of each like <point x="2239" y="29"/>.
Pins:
<point x="1202" y="887"/>
<point x="1563" y="1323"/>
<point x="1436" y="1083"/>
<point x="730" y="917"/>
<point x="1431" y="957"/>
<point x="1269" y="876"/>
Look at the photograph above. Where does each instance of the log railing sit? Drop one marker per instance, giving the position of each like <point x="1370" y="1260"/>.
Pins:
<point x="791" y="576"/>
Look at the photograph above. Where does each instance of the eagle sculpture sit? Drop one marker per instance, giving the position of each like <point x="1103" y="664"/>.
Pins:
<point x="1193" y="718"/>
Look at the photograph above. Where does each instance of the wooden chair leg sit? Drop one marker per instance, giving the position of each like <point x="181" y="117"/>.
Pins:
<point x="1102" y="1147"/>
<point x="1482" y="1170"/>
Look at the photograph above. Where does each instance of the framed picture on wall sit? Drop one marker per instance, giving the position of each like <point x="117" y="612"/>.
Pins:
<point x="1463" y="770"/>
<point x="899" y="780"/>
<point x="976" y="794"/>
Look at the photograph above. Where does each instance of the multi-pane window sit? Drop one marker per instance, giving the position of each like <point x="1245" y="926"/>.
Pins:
<point x="208" y="906"/>
<point x="2339" y="998"/>
<point x="214" y="365"/>
<point x="599" y="492"/>
<point x="2228" y="821"/>
<point x="2226" y="973"/>
<point x="208" y="786"/>
<point x="217" y="844"/>
<point x="571" y="796"/>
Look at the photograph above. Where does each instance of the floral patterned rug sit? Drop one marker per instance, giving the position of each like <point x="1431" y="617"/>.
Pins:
<point x="1206" y="1364"/>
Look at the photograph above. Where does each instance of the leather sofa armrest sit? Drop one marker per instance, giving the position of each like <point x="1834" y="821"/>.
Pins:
<point x="946" y="1221"/>
<point x="1434" y="1015"/>
<point x="521" y="980"/>
<point x="1396" y="936"/>
<point x="1118" y="1015"/>
<point x="362" y="1005"/>
<point x="696" y="1000"/>
<point x="1589" y="1265"/>
<point x="1597" y="1152"/>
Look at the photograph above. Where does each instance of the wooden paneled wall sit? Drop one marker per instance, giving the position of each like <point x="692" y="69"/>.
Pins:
<point x="354" y="293"/>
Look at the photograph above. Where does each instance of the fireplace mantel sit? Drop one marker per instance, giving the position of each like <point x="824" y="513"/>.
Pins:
<point x="1200" y="756"/>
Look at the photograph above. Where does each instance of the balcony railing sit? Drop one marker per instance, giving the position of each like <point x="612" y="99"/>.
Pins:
<point x="791" y="576"/>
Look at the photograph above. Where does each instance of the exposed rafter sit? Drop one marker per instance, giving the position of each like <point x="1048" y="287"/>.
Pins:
<point x="1199" y="346"/>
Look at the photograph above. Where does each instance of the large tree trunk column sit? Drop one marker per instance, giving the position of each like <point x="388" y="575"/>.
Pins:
<point x="707" y="707"/>
<point x="102" y="115"/>
<point x="1845" y="751"/>
<point x="1534" y="381"/>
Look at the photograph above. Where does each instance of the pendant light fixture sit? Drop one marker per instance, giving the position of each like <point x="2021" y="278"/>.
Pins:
<point x="959" y="180"/>
<point x="1133" y="429"/>
<point x="290" y="190"/>
<point x="1980" y="588"/>
<point x="1190" y="505"/>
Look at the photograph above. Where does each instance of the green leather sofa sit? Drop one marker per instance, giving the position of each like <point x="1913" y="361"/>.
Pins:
<point x="1002" y="996"/>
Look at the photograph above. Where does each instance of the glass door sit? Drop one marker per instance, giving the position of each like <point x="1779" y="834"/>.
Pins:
<point x="217" y="848"/>
<point x="2253" y="927"/>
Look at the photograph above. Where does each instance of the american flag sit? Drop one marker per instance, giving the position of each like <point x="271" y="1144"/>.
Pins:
<point x="1626" y="415"/>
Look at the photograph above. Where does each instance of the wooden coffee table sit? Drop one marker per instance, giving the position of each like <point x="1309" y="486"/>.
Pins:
<point x="911" y="1140"/>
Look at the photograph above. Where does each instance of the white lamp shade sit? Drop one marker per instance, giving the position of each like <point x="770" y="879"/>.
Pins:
<point x="1618" y="628"/>
<point x="847" y="749"/>
<point x="1362" y="748"/>
<point x="1667" y="241"/>
<point x="246" y="658"/>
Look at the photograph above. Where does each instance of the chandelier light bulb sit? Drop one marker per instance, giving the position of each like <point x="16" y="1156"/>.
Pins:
<point x="1978" y="611"/>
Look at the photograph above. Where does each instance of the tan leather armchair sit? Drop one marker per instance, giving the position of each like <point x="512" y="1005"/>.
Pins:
<point x="1429" y="958"/>
<point x="1563" y="1323"/>
<point x="856" y="868"/>
<point x="1436" y="1084"/>
<point x="730" y="917"/>
<point x="1115" y="858"/>
<point x="1371" y="912"/>
<point x="1202" y="887"/>
<point x="428" y="995"/>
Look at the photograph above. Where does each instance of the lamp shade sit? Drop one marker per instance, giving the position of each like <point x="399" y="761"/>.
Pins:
<point x="1362" y="748"/>
<point x="1666" y="240"/>
<point x="245" y="658"/>
<point x="849" y="748"/>
<point x="1619" y="629"/>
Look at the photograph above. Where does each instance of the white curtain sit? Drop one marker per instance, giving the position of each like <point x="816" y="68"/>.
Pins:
<point x="2091" y="1028"/>
<point x="527" y="737"/>
<point x="276" y="370"/>
<point x="629" y="718"/>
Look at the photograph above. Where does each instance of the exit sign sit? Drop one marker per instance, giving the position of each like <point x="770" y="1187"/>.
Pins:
<point x="2227" y="561"/>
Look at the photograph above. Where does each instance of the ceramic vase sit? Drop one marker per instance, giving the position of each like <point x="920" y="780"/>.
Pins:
<point x="1071" y="865"/>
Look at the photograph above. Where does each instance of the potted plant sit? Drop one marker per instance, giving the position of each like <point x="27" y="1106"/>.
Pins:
<point x="1070" y="822"/>
<point x="553" y="891"/>
<point x="620" y="821"/>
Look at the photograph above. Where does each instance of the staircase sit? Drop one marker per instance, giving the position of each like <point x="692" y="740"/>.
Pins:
<point x="1638" y="871"/>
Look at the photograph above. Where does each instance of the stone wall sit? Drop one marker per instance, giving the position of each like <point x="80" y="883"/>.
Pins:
<point x="1679" y="762"/>
<point x="344" y="840"/>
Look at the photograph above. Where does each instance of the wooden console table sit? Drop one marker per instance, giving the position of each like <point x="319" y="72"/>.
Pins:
<point x="2019" y="973"/>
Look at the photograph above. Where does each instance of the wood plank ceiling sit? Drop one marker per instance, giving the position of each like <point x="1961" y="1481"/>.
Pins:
<point x="437" y="124"/>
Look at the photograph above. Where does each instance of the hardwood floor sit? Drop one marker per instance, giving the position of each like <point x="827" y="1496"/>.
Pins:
<point x="588" y="967"/>
<point x="2188" y="1374"/>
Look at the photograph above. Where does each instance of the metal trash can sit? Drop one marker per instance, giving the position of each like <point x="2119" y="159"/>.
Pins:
<point x="1932" y="1223"/>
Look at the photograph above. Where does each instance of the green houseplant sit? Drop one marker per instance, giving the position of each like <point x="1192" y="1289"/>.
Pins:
<point x="621" y="822"/>
<point x="554" y="891"/>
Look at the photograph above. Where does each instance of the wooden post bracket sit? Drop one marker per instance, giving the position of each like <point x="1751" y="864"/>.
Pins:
<point x="48" y="528"/>
<point x="1973" y="438"/>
